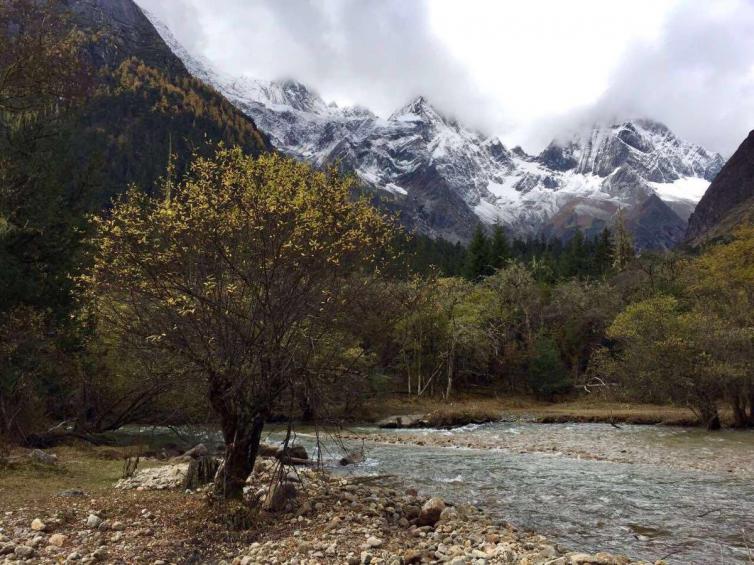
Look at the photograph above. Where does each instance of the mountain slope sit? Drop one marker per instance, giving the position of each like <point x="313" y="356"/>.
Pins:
<point x="729" y="201"/>
<point x="146" y="104"/>
<point x="443" y="178"/>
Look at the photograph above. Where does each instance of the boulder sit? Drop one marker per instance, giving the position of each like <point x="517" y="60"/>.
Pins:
<point x="93" y="521"/>
<point x="279" y="496"/>
<point x="431" y="511"/>
<point x="267" y="450"/>
<point x="199" y="450"/>
<point x="352" y="458"/>
<point x="43" y="458"/>
<point x="296" y="452"/>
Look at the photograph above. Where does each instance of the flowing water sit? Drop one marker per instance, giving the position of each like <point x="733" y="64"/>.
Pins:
<point x="645" y="491"/>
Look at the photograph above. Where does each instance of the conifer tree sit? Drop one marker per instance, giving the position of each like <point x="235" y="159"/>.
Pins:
<point x="603" y="252"/>
<point x="478" y="256"/>
<point x="623" y="244"/>
<point x="574" y="260"/>
<point x="499" y="250"/>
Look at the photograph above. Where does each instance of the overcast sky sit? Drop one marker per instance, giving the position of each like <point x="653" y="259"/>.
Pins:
<point x="526" y="71"/>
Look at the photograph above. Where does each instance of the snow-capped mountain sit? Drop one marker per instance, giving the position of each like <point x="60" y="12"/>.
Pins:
<point x="443" y="178"/>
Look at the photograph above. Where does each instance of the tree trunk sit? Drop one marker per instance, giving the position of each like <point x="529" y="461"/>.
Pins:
<point x="738" y="404"/>
<point x="751" y="405"/>
<point x="709" y="415"/>
<point x="242" y="434"/>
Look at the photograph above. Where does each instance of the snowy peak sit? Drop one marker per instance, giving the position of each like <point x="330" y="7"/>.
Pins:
<point x="286" y="93"/>
<point x="647" y="146"/>
<point x="419" y="109"/>
<point x="443" y="178"/>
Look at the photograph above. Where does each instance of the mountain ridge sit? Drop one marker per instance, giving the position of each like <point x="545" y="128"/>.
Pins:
<point x="417" y="156"/>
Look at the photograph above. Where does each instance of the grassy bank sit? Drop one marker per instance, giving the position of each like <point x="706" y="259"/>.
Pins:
<point x="473" y="408"/>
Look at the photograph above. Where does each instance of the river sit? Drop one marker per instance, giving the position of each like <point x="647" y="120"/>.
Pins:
<point x="650" y="492"/>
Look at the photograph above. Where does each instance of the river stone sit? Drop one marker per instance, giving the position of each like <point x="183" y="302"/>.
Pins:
<point x="7" y="548"/>
<point x="38" y="525"/>
<point x="352" y="458"/>
<point x="448" y="514"/>
<point x="23" y="551"/>
<point x="431" y="511"/>
<point x="413" y="556"/>
<point x="374" y="541"/>
<point x="58" y="540"/>
<point x="93" y="521"/>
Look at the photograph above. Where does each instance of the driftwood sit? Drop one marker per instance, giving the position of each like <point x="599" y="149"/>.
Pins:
<point x="286" y="460"/>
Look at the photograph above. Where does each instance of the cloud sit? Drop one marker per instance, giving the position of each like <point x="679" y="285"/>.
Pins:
<point x="697" y="77"/>
<point x="377" y="54"/>
<point x="524" y="71"/>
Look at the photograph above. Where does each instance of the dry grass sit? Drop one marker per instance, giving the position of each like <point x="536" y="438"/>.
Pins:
<point x="490" y="407"/>
<point x="25" y="483"/>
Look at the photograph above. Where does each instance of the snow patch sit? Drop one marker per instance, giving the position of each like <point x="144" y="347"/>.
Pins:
<point x="685" y="188"/>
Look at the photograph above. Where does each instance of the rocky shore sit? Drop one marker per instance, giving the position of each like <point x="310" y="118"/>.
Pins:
<point x="312" y="517"/>
<point x="597" y="442"/>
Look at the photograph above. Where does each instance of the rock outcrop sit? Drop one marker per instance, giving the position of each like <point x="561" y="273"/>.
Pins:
<point x="729" y="201"/>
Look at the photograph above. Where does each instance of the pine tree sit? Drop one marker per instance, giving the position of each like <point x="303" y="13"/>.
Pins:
<point x="603" y="252"/>
<point x="623" y="244"/>
<point x="574" y="260"/>
<point x="499" y="250"/>
<point x="478" y="256"/>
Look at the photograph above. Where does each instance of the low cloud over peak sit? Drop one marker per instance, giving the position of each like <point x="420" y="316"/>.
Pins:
<point x="526" y="73"/>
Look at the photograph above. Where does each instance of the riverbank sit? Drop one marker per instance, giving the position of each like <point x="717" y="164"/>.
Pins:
<point x="329" y="520"/>
<point x="472" y="408"/>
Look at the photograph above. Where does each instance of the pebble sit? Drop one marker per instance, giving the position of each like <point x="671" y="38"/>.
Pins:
<point x="374" y="541"/>
<point x="38" y="525"/>
<point x="58" y="540"/>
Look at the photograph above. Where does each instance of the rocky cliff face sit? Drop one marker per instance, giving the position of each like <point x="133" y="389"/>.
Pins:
<point x="729" y="201"/>
<point x="443" y="178"/>
<point x="125" y="32"/>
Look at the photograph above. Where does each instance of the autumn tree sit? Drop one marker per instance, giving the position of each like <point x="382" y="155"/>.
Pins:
<point x="670" y="351"/>
<point x="721" y="283"/>
<point x="241" y="271"/>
